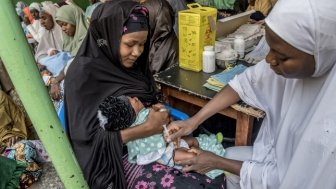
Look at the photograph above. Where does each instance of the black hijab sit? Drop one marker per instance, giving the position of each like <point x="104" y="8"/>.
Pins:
<point x="95" y="74"/>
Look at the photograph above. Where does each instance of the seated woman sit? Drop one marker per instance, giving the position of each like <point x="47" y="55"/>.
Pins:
<point x="13" y="143"/>
<point x="163" y="48"/>
<point x="50" y="41"/>
<point x="12" y="122"/>
<point x="74" y="26"/>
<point x="113" y="61"/>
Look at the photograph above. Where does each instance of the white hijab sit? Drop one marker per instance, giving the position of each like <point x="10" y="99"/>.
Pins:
<point x="35" y="6"/>
<point x="52" y="38"/>
<point x="295" y="147"/>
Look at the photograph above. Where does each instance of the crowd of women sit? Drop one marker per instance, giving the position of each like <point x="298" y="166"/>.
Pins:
<point x="59" y="29"/>
<point x="112" y="53"/>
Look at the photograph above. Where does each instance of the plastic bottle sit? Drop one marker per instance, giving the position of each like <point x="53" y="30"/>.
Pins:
<point x="209" y="64"/>
<point x="239" y="45"/>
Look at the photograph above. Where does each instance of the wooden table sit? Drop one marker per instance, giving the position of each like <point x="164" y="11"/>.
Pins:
<point x="179" y="84"/>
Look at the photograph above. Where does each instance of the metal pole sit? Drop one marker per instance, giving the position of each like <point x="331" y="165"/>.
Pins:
<point x="21" y="67"/>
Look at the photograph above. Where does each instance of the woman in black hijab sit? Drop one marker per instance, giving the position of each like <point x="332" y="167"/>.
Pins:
<point x="111" y="61"/>
<point x="163" y="52"/>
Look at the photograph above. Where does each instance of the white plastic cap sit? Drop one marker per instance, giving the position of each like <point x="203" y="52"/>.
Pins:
<point x="239" y="37"/>
<point x="209" y="48"/>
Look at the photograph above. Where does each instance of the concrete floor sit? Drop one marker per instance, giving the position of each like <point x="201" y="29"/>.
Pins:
<point x="49" y="178"/>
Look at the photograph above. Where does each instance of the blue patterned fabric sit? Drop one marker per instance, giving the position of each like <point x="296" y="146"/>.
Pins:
<point x="144" y="145"/>
<point x="211" y="144"/>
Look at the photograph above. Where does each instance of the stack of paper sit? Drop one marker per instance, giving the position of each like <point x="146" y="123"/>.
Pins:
<point x="246" y="30"/>
<point x="259" y="53"/>
<point x="218" y="81"/>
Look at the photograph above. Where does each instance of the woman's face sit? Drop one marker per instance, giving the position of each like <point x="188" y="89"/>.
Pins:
<point x="131" y="47"/>
<point x="67" y="28"/>
<point x="35" y="14"/>
<point x="47" y="21"/>
<point x="287" y="60"/>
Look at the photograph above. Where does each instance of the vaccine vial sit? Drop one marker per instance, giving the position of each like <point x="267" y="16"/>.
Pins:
<point x="209" y="64"/>
<point x="239" y="45"/>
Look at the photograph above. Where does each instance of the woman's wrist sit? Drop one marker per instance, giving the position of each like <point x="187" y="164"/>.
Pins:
<point x="232" y="166"/>
<point x="54" y="81"/>
<point x="137" y="132"/>
<point x="194" y="122"/>
<point x="147" y="129"/>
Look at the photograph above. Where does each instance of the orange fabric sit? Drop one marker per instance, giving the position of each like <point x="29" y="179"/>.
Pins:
<point x="27" y="13"/>
<point x="263" y="6"/>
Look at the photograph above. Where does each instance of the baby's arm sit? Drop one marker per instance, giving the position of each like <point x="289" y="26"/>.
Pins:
<point x="52" y="51"/>
<point x="191" y="141"/>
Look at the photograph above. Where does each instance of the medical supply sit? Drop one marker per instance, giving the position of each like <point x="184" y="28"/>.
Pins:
<point x="209" y="64"/>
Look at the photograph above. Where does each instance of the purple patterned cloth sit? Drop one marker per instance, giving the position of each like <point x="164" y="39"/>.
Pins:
<point x="156" y="175"/>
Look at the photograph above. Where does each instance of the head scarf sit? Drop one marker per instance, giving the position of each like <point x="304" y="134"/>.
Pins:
<point x="295" y="147"/>
<point x="45" y="3"/>
<point x="116" y="113"/>
<point x="20" y="5"/>
<point x="35" y="6"/>
<point x="19" y="12"/>
<point x="89" y="10"/>
<point x="163" y="41"/>
<point x="136" y="22"/>
<point x="19" y="8"/>
<point x="27" y="13"/>
<point x="50" y="38"/>
<point x="95" y="74"/>
<point x="316" y="42"/>
<point x="72" y="14"/>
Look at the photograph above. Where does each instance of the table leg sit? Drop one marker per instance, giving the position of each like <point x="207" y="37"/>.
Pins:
<point x="166" y="97"/>
<point x="244" y="128"/>
<point x="244" y="122"/>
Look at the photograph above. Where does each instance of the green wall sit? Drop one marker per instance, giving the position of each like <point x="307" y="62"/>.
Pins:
<point x="82" y="3"/>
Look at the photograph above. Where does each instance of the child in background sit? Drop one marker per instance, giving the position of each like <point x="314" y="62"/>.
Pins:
<point x="121" y="112"/>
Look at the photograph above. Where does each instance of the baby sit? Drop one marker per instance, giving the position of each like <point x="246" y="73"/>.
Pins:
<point x="121" y="112"/>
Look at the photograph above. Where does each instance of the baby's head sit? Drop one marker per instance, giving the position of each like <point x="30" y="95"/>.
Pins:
<point x="117" y="113"/>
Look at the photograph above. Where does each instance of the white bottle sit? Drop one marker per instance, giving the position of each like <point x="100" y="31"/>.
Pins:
<point x="239" y="45"/>
<point x="209" y="64"/>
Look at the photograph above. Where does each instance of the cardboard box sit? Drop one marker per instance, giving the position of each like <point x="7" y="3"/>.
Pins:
<point x="197" y="28"/>
<point x="230" y="24"/>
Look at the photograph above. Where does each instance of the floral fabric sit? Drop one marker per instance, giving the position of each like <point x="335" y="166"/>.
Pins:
<point x="156" y="175"/>
<point x="24" y="151"/>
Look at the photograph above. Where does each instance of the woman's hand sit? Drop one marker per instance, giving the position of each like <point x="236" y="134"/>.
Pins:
<point x="156" y="119"/>
<point x="53" y="52"/>
<point x="55" y="90"/>
<point x="181" y="128"/>
<point x="153" y="125"/>
<point x="41" y="67"/>
<point x="158" y="106"/>
<point x="202" y="163"/>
